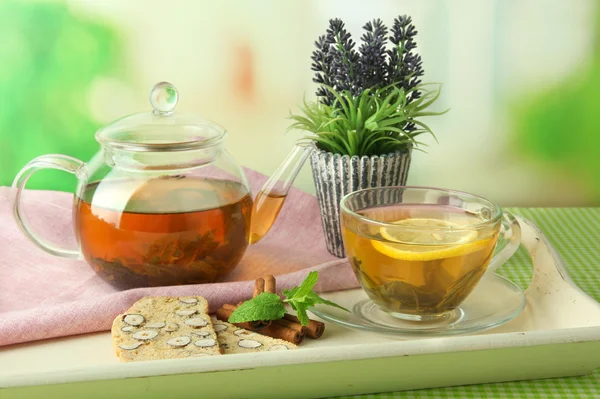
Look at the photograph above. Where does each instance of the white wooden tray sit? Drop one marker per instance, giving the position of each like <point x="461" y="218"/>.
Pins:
<point x="557" y="334"/>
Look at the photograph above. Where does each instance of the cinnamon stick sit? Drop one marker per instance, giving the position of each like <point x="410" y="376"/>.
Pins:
<point x="271" y="330"/>
<point x="259" y="287"/>
<point x="270" y="284"/>
<point x="290" y="324"/>
<point x="281" y="332"/>
<point x="314" y="329"/>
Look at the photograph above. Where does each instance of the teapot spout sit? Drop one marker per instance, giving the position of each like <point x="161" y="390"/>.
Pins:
<point x="270" y="198"/>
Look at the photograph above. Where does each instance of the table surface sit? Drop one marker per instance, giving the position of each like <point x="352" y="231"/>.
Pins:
<point x="575" y="232"/>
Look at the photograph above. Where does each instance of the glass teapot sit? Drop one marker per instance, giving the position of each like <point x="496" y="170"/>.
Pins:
<point x="162" y="202"/>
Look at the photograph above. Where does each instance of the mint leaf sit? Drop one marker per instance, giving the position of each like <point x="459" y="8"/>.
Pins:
<point x="298" y="297"/>
<point x="265" y="306"/>
<point x="302" y="316"/>
<point x="303" y="297"/>
<point x="317" y="299"/>
<point x="290" y="293"/>
<point x="307" y="285"/>
<point x="300" y="304"/>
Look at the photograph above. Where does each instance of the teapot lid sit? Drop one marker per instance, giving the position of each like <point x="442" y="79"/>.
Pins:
<point x="161" y="128"/>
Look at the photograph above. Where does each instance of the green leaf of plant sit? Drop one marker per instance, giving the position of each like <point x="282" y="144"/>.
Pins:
<point x="432" y="99"/>
<point x="332" y="121"/>
<point x="391" y="129"/>
<point x="330" y="145"/>
<point x="371" y="143"/>
<point x="352" y="124"/>
<point x="392" y="121"/>
<point x="359" y="124"/>
<point x="371" y="123"/>
<point x="424" y="126"/>
<point x="417" y="114"/>
<point x="389" y="97"/>
<point x="265" y="306"/>
<point x="363" y="100"/>
<point x="352" y="116"/>
<point x="421" y="124"/>
<point x="352" y="139"/>
<point x="339" y="99"/>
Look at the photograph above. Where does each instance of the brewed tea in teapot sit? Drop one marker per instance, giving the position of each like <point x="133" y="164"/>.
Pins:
<point x="162" y="202"/>
<point x="200" y="226"/>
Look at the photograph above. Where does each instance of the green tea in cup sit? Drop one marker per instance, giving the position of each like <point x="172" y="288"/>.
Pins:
<point x="418" y="252"/>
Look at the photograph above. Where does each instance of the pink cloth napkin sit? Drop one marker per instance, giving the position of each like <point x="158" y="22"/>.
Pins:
<point x="42" y="296"/>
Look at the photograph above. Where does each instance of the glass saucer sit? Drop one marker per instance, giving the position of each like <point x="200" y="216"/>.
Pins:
<point x="494" y="301"/>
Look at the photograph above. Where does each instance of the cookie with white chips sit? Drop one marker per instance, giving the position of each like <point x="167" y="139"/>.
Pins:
<point x="165" y="328"/>
<point x="233" y="339"/>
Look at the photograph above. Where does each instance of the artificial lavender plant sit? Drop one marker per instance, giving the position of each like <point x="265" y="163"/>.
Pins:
<point x="369" y="100"/>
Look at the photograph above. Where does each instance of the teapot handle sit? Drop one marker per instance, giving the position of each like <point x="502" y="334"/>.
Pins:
<point x="55" y="161"/>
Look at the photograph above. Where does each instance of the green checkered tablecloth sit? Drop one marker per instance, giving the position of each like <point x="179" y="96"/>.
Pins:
<point x="575" y="232"/>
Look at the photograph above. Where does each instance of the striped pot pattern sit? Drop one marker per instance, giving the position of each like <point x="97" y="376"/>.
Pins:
<point x="336" y="175"/>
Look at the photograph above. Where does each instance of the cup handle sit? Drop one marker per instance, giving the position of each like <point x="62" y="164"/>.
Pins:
<point x="508" y="241"/>
<point x="54" y="161"/>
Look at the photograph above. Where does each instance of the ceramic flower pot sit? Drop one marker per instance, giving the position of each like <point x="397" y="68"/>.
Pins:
<point x="335" y="176"/>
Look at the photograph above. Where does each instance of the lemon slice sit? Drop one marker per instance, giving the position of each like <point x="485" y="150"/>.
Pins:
<point x="427" y="244"/>
<point x="462" y="234"/>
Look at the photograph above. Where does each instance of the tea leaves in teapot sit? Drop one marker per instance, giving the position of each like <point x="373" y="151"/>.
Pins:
<point x="168" y="232"/>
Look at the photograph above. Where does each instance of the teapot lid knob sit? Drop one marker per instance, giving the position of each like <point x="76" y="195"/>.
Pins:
<point x="163" y="98"/>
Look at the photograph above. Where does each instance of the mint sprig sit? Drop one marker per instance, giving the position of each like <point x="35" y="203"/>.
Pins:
<point x="267" y="306"/>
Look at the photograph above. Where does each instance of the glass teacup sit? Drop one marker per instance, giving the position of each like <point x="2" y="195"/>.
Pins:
<point x="419" y="252"/>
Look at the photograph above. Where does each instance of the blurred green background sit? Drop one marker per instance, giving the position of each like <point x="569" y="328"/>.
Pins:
<point x="49" y="59"/>
<point x="522" y="79"/>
